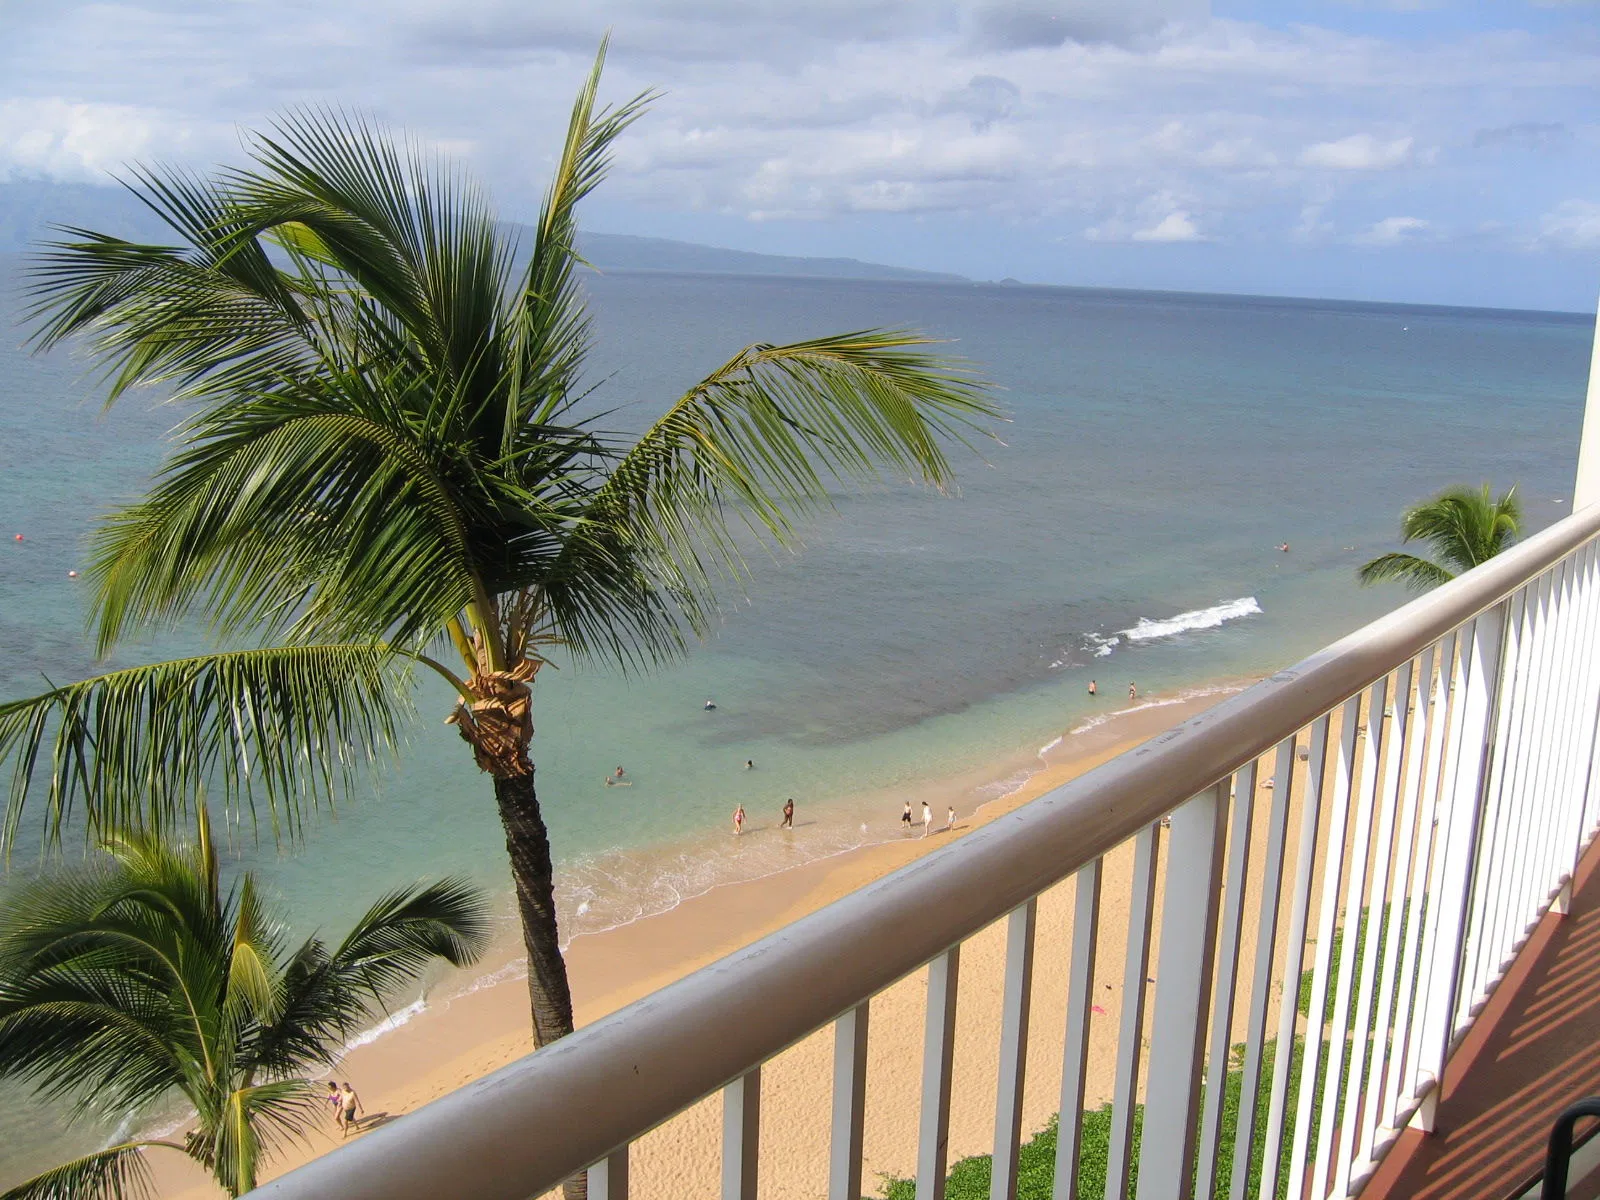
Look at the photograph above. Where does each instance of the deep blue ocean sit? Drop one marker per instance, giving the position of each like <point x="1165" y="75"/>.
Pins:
<point x="1124" y="527"/>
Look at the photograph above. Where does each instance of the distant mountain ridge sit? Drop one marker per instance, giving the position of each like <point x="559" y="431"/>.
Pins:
<point x="624" y="252"/>
<point x="28" y="209"/>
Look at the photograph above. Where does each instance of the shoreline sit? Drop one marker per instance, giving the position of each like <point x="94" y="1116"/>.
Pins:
<point x="450" y="1037"/>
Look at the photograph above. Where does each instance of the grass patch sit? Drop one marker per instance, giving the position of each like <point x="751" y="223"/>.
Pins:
<point x="969" y="1178"/>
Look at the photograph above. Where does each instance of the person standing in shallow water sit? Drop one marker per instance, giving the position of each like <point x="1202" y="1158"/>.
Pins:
<point x="1133" y="692"/>
<point x="1093" y="689"/>
<point x="905" y="817"/>
<point x="927" y="818"/>
<point x="738" y="819"/>
<point x="788" y="814"/>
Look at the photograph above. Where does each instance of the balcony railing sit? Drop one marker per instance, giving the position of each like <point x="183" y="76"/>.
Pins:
<point x="1415" y="795"/>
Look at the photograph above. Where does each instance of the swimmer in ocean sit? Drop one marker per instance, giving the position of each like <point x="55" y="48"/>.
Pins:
<point x="618" y="779"/>
<point x="708" y="705"/>
<point x="749" y="764"/>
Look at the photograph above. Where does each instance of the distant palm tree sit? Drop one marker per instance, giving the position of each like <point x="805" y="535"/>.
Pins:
<point x="391" y="459"/>
<point x="1464" y="527"/>
<point x="134" y="978"/>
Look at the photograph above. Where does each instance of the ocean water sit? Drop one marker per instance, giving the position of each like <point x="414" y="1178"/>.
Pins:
<point x="1124" y="528"/>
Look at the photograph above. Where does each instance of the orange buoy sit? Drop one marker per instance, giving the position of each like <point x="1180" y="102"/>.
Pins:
<point x="18" y="538"/>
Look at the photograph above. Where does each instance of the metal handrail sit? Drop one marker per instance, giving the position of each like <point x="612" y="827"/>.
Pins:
<point x="524" y="1128"/>
<point x="1558" y="1157"/>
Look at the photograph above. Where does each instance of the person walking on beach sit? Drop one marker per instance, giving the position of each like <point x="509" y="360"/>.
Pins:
<point x="905" y="817"/>
<point x="349" y="1106"/>
<point x="788" y="814"/>
<point x="1093" y="688"/>
<point x="950" y="818"/>
<point x="927" y="818"/>
<point x="738" y="819"/>
<point x="334" y="1102"/>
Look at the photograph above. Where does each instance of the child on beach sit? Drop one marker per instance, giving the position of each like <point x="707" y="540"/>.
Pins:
<point x="950" y="818"/>
<point x="905" y="817"/>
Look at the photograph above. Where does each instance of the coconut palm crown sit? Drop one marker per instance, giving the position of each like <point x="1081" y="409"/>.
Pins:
<point x="391" y="464"/>
<point x="135" y="978"/>
<point x="1463" y="526"/>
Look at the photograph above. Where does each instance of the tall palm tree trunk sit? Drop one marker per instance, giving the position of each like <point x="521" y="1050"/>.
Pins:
<point x="528" y="845"/>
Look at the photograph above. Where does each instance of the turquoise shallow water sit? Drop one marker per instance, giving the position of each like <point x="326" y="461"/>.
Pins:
<point x="1160" y="448"/>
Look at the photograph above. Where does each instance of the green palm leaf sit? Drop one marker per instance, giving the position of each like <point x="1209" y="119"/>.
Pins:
<point x="285" y="727"/>
<point x="133" y="977"/>
<point x="761" y="438"/>
<point x="1464" y="527"/>
<point x="115" y="1173"/>
<point x="329" y="996"/>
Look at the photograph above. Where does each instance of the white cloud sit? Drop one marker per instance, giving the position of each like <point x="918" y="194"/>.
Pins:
<point x="1391" y="231"/>
<point x="1358" y="152"/>
<point x="1176" y="226"/>
<point x="1068" y="114"/>
<point x="80" y="141"/>
<point x="1571" y="225"/>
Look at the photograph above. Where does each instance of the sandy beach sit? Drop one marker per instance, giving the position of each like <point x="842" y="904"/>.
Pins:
<point x="451" y="1043"/>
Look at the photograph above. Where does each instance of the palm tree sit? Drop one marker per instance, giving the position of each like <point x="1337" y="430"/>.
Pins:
<point x="1463" y="526"/>
<point x="391" y="461"/>
<point x="134" y="977"/>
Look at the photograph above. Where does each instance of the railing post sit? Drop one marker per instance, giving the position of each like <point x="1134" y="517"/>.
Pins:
<point x="849" y="1103"/>
<point x="741" y="1135"/>
<point x="1183" y="998"/>
<point x="1466" y="797"/>
<point x="1080" y="1007"/>
<point x="608" y="1178"/>
<point x="1130" y="1030"/>
<point x="938" y="1054"/>
<point x="1013" y="1050"/>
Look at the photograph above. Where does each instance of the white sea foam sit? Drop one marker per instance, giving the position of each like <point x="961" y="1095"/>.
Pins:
<point x="1201" y="618"/>
<point x="388" y="1025"/>
<point x="1048" y="746"/>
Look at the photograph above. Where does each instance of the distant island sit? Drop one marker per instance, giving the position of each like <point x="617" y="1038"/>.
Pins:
<point x="29" y="208"/>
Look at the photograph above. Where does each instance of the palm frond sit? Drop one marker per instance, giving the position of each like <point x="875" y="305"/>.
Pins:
<point x="316" y="506"/>
<point x="1465" y="527"/>
<point x="205" y="315"/>
<point x="1418" y="574"/>
<point x="253" y="1120"/>
<point x="284" y="727"/>
<point x="755" y="443"/>
<point x="549" y="325"/>
<point x="115" y="1173"/>
<point x="328" y="996"/>
<point x="254" y="988"/>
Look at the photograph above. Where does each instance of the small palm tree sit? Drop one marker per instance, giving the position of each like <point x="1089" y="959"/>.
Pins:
<point x="135" y="978"/>
<point x="1464" y="526"/>
<point x="391" y="464"/>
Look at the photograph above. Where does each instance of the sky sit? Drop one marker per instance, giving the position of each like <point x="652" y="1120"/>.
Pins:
<point x="1422" y="150"/>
